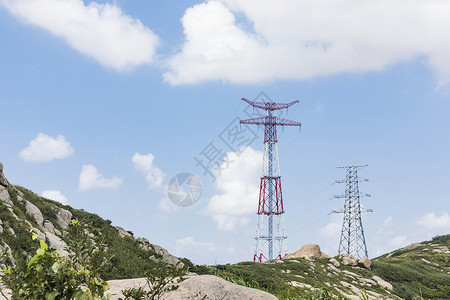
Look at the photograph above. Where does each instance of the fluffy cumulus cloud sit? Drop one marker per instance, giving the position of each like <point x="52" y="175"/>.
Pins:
<point x="251" y="41"/>
<point x="46" y="148"/>
<point x="238" y="187"/>
<point x="431" y="221"/>
<point x="90" y="179"/>
<point x="55" y="195"/>
<point x="101" y="31"/>
<point x="144" y="164"/>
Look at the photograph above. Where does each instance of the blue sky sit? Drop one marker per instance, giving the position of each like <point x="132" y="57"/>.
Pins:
<point x="102" y="103"/>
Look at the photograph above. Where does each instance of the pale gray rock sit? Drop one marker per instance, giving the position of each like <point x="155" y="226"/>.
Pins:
<point x="167" y="256"/>
<point x="48" y="227"/>
<point x="117" y="286"/>
<point x="382" y="283"/>
<point x="334" y="262"/>
<point x="412" y="246"/>
<point x="4" y="196"/>
<point x="63" y="217"/>
<point x="57" y="244"/>
<point x="122" y="232"/>
<point x="308" y="251"/>
<point x="365" y="262"/>
<point x="3" y="180"/>
<point x="214" y="288"/>
<point x="1" y="229"/>
<point x="34" y="212"/>
<point x="145" y="244"/>
<point x="11" y="231"/>
<point x="348" y="259"/>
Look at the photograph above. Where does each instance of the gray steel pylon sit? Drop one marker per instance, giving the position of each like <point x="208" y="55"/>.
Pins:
<point x="352" y="234"/>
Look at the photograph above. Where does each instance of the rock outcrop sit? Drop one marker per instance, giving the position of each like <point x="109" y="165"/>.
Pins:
<point x="167" y="256"/>
<point x="145" y="244"/>
<point x="5" y="197"/>
<point x="215" y="288"/>
<point x="3" y="180"/>
<point x="196" y="287"/>
<point x="49" y="227"/>
<point x="35" y="213"/>
<point x="365" y="262"/>
<point x="382" y="283"/>
<point x="63" y="217"/>
<point x="308" y="251"/>
<point x="57" y="244"/>
<point x="348" y="259"/>
<point x="122" y="232"/>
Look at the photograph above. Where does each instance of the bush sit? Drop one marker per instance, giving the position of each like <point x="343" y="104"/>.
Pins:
<point x="49" y="276"/>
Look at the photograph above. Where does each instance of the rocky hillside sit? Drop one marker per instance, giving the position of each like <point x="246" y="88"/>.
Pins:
<point x="419" y="271"/>
<point x="21" y="211"/>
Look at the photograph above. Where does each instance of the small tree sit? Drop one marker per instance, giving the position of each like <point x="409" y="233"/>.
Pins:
<point x="161" y="278"/>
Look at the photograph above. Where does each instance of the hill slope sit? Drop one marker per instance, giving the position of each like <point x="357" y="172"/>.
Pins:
<point x="419" y="271"/>
<point x="21" y="211"/>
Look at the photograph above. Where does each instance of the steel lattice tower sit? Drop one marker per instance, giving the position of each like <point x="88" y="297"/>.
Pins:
<point x="270" y="195"/>
<point x="352" y="233"/>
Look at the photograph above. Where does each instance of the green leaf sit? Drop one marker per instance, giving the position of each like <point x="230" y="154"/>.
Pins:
<point x="55" y="267"/>
<point x="40" y="251"/>
<point x="51" y="295"/>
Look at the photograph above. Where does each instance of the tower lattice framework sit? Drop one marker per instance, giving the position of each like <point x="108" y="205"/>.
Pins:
<point x="352" y="234"/>
<point x="270" y="194"/>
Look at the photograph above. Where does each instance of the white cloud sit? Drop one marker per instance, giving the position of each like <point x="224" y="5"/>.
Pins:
<point x="90" y="179"/>
<point x="399" y="241"/>
<point x="432" y="221"/>
<point x="192" y="244"/>
<point x="238" y="185"/>
<point x="166" y="207"/>
<point x="55" y="195"/>
<point x="331" y="230"/>
<point x="386" y="228"/>
<point x="291" y="39"/>
<point x="46" y="148"/>
<point x="101" y="31"/>
<point x="145" y="165"/>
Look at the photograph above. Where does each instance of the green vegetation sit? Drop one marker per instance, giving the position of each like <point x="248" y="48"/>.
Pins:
<point x="422" y="271"/>
<point x="161" y="278"/>
<point x="48" y="276"/>
<point x="128" y="258"/>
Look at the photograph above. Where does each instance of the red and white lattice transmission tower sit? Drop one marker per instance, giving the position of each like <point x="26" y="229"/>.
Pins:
<point x="270" y="195"/>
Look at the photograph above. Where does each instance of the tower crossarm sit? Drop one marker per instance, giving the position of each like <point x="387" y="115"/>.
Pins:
<point x="271" y="120"/>
<point x="270" y="105"/>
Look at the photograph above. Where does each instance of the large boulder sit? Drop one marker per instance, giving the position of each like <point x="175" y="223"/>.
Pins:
<point x="4" y="196"/>
<point x="35" y="213"/>
<point x="56" y="243"/>
<point x="365" y="262"/>
<point x="195" y="287"/>
<point x="215" y="288"/>
<point x="49" y="227"/>
<point x="3" y="180"/>
<point x="308" y="251"/>
<point x="348" y="259"/>
<point x="63" y="217"/>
